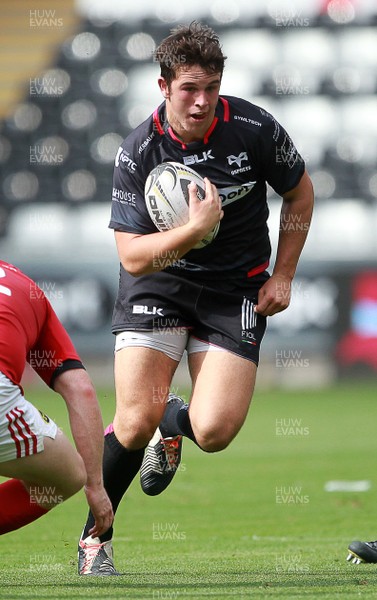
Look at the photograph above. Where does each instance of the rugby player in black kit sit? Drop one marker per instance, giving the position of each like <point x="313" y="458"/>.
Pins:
<point x="211" y="302"/>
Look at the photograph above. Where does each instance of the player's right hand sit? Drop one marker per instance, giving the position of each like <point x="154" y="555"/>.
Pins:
<point x="101" y="508"/>
<point x="205" y="214"/>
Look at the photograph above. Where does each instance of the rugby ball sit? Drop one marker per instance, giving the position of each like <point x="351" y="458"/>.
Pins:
<point x="167" y="197"/>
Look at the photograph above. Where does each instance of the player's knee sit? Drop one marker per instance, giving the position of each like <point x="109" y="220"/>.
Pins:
<point x="73" y="482"/>
<point x="213" y="439"/>
<point x="213" y="445"/>
<point x="135" y="433"/>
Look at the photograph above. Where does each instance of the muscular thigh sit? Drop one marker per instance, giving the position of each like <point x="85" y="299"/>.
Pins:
<point x="31" y="446"/>
<point x="142" y="380"/>
<point x="223" y="385"/>
<point x="58" y="466"/>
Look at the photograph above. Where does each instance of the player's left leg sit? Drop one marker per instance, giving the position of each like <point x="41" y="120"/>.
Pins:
<point x="223" y="354"/>
<point x="223" y="385"/>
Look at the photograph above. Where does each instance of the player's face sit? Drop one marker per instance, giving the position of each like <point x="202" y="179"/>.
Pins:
<point x="191" y="100"/>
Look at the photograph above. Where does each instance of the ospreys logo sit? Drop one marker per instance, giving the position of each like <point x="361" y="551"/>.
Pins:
<point x="237" y="159"/>
<point x="233" y="159"/>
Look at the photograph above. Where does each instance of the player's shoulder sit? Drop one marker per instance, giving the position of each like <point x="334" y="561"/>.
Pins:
<point x="12" y="273"/>
<point x="16" y="284"/>
<point x="9" y="267"/>
<point x="244" y="113"/>
<point x="131" y="157"/>
<point x="138" y="140"/>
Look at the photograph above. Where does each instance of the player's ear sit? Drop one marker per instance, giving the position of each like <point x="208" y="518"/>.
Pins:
<point x="163" y="87"/>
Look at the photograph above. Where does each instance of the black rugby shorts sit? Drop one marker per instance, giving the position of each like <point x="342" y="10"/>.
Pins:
<point x="163" y="301"/>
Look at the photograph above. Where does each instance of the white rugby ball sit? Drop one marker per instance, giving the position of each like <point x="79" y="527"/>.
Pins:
<point x="167" y="197"/>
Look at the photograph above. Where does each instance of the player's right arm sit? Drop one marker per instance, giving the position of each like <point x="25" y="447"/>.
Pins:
<point x="141" y="254"/>
<point x="64" y="372"/>
<point x="143" y="249"/>
<point x="86" y="424"/>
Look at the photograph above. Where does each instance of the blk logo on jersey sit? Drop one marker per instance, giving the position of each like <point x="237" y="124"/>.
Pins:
<point x="193" y="159"/>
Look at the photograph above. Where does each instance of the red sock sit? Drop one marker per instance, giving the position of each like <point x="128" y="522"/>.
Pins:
<point x="16" y="507"/>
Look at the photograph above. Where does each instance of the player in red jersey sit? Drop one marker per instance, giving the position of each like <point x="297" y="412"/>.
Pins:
<point x="44" y="467"/>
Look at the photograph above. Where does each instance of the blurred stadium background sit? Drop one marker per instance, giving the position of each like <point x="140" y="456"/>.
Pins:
<point x="77" y="77"/>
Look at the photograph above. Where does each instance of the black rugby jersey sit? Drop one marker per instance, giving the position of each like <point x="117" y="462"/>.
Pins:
<point x="244" y="148"/>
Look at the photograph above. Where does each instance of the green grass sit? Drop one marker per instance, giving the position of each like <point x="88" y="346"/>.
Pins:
<point x="252" y="521"/>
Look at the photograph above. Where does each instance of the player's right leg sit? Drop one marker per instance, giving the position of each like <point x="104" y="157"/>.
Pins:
<point x="142" y="379"/>
<point x="51" y="476"/>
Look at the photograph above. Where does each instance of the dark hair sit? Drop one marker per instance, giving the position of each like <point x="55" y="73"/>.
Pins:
<point x="194" y="44"/>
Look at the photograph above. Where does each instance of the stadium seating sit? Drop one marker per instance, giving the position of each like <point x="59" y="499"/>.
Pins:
<point x="313" y="67"/>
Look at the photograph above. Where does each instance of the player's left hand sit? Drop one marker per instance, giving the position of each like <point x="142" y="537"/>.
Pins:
<point x="274" y="296"/>
<point x="101" y="508"/>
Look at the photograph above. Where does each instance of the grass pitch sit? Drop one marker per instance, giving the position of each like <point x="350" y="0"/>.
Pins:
<point x="252" y="521"/>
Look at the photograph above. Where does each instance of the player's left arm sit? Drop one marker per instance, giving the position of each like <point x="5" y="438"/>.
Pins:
<point x="295" y="217"/>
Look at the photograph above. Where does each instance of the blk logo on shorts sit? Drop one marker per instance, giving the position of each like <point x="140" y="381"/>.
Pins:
<point x="140" y="309"/>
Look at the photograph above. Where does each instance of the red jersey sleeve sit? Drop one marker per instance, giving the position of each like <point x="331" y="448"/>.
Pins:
<point x="54" y="351"/>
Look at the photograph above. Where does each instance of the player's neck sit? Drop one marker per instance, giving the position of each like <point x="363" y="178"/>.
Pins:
<point x="180" y="132"/>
